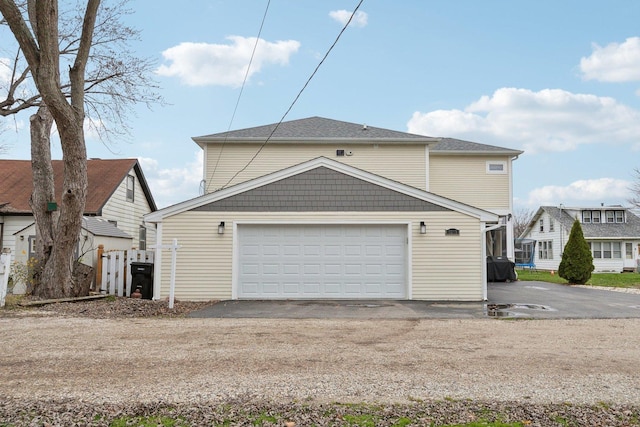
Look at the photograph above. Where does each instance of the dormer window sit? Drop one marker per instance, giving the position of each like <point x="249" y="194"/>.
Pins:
<point x="619" y="216"/>
<point x="586" y="217"/>
<point x="614" y="216"/>
<point x="595" y="217"/>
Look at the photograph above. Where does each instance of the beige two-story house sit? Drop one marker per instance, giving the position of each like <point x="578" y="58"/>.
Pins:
<point x="320" y="208"/>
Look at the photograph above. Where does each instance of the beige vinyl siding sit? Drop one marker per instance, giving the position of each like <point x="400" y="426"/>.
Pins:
<point x="465" y="179"/>
<point x="129" y="214"/>
<point x="402" y="163"/>
<point x="448" y="267"/>
<point x="443" y="267"/>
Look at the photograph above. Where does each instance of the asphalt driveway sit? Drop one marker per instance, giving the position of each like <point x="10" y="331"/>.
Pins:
<point x="537" y="300"/>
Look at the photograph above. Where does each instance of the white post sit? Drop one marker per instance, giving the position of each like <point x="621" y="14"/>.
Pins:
<point x="172" y="284"/>
<point x="174" y="255"/>
<point x="5" y="270"/>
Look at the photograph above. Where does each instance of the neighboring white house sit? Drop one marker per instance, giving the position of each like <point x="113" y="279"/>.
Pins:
<point x="613" y="234"/>
<point x="95" y="231"/>
<point x="320" y="208"/>
<point x="117" y="192"/>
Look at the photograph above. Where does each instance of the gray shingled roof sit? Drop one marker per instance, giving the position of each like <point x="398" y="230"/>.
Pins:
<point x="603" y="230"/>
<point x="101" y="227"/>
<point x="449" y="145"/>
<point x="316" y="128"/>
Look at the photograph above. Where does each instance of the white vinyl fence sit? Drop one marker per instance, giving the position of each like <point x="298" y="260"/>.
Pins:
<point x="5" y="271"/>
<point x="116" y="270"/>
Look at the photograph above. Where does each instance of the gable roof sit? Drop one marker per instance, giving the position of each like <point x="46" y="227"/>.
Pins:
<point x="321" y="162"/>
<point x="316" y="129"/>
<point x="602" y="230"/>
<point x="319" y="129"/>
<point x="104" y="176"/>
<point x="94" y="225"/>
<point x="459" y="146"/>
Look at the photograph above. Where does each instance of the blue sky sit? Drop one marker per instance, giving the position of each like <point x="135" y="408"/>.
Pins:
<point x="557" y="79"/>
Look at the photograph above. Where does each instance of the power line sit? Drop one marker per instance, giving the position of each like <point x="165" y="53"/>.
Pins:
<point x="246" y="76"/>
<point x="297" y="96"/>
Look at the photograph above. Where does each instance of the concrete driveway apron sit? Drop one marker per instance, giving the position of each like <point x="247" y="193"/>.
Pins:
<point x="536" y="300"/>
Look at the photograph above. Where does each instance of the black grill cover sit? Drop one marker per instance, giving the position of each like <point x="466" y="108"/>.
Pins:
<point x="500" y="269"/>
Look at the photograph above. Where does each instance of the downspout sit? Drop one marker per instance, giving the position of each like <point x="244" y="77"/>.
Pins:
<point x="511" y="254"/>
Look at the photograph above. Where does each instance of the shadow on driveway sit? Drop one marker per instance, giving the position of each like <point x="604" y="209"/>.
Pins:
<point x="536" y="300"/>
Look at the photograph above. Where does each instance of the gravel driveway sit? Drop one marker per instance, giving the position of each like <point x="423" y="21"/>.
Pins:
<point x="581" y="361"/>
<point x="189" y="361"/>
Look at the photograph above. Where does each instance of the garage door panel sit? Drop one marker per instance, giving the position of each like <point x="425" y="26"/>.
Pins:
<point x="268" y="250"/>
<point x="322" y="261"/>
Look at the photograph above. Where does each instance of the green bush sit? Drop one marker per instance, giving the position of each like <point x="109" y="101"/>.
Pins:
<point x="577" y="262"/>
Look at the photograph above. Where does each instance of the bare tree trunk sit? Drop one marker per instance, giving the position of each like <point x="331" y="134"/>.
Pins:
<point x="43" y="193"/>
<point x="42" y="53"/>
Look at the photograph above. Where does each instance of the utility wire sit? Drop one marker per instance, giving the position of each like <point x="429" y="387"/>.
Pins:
<point x="297" y="96"/>
<point x="246" y="76"/>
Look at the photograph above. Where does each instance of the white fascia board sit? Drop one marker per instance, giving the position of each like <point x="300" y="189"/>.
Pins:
<point x="483" y="215"/>
<point x="510" y="153"/>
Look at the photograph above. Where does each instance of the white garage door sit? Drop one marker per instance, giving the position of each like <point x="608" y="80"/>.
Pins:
<point x="322" y="261"/>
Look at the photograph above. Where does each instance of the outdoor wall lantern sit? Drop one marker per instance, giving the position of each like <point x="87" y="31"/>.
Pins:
<point x="221" y="227"/>
<point x="423" y="228"/>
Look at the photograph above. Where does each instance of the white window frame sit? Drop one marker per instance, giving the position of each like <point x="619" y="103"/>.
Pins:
<point x="586" y="217"/>
<point x="496" y="167"/>
<point x="131" y="188"/>
<point x="142" y="238"/>
<point x="611" y="217"/>
<point x="545" y="249"/>
<point x="606" y="250"/>
<point x="596" y="216"/>
<point x="596" y="250"/>
<point x="616" y="250"/>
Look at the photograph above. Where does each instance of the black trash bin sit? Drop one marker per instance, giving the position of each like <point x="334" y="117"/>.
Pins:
<point x="142" y="277"/>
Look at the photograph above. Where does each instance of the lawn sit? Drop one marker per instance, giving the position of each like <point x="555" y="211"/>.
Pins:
<point x="619" y="280"/>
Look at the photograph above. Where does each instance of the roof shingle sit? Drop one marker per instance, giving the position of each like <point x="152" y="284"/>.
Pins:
<point x="104" y="177"/>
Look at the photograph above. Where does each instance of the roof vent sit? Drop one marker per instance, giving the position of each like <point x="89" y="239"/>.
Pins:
<point x="364" y="127"/>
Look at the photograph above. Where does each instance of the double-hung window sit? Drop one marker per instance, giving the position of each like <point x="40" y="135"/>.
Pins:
<point x="131" y="182"/>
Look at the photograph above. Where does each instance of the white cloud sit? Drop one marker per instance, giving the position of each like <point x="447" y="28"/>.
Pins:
<point x="173" y="185"/>
<point x="5" y="71"/>
<point x="342" y="16"/>
<point x="588" y="192"/>
<point x="616" y="62"/>
<point x="548" y="120"/>
<point x="203" y="64"/>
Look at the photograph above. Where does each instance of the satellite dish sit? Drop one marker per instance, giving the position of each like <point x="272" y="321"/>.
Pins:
<point x="203" y="187"/>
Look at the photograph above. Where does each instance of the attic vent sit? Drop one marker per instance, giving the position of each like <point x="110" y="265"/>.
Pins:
<point x="364" y="127"/>
<point x="452" y="232"/>
<point x="340" y="153"/>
